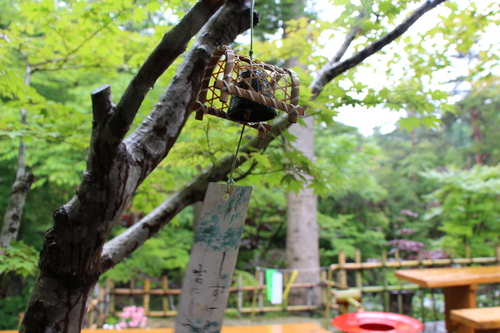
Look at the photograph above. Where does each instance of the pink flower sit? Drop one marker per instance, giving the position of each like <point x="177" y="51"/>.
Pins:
<point x="133" y="316"/>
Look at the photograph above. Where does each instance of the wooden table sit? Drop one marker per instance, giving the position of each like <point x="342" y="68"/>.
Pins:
<point x="459" y="284"/>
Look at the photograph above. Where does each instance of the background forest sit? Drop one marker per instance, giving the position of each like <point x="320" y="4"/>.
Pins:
<point x="432" y="185"/>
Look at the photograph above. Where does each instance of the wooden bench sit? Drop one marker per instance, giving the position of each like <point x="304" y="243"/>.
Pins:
<point x="484" y="320"/>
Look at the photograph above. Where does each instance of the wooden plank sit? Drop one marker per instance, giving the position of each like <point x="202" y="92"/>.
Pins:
<point x="209" y="274"/>
<point x="479" y="318"/>
<point x="448" y="277"/>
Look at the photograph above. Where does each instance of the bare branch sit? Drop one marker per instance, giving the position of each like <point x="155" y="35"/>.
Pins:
<point x="347" y="41"/>
<point x="332" y="70"/>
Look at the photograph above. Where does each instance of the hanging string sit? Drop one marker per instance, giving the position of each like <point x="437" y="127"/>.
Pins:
<point x="230" y="180"/>
<point x="250" y="53"/>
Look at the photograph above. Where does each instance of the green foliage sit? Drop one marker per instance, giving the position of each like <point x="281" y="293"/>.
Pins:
<point x="346" y="233"/>
<point x="473" y="128"/>
<point x="168" y="251"/>
<point x="19" y="258"/>
<point x="156" y="256"/>
<point x="468" y="207"/>
<point x="52" y="55"/>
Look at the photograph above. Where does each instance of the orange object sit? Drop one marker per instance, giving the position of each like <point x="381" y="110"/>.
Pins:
<point x="365" y="322"/>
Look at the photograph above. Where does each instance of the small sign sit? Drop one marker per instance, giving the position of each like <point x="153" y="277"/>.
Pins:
<point x="209" y="275"/>
<point x="277" y="288"/>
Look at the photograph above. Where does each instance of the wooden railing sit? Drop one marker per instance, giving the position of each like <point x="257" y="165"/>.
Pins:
<point x="370" y="278"/>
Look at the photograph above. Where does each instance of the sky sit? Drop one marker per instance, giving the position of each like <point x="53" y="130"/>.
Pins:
<point x="367" y="119"/>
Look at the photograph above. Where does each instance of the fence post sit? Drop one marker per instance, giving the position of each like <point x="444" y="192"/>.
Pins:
<point x="329" y="290"/>
<point x="384" y="281"/>
<point x="400" y="298"/>
<point x="422" y="294"/>
<point x="342" y="274"/>
<point x="132" y="286"/>
<point x="342" y="280"/>
<point x="284" y="303"/>
<point x="112" y="296"/>
<point x="240" y="294"/>
<point x="261" y="283"/>
<point x="164" y="298"/>
<point x="256" y="291"/>
<point x="146" y="296"/>
<point x="359" y="270"/>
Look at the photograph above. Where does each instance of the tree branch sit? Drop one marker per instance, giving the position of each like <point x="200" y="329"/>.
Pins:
<point x="347" y="41"/>
<point x="156" y="135"/>
<point x="173" y="44"/>
<point x="101" y="103"/>
<point x="332" y="70"/>
<point x="115" y="169"/>
<point x="107" y="137"/>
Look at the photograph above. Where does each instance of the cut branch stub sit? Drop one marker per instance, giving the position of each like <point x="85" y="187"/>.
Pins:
<point x="227" y="74"/>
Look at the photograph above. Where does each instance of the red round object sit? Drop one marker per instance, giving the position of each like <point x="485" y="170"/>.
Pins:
<point x="365" y="322"/>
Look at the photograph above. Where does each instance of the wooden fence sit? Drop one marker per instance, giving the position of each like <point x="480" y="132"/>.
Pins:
<point x="375" y="282"/>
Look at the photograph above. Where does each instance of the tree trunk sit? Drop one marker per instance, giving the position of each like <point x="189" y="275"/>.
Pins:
<point x="302" y="244"/>
<point x="19" y="192"/>
<point x="20" y="188"/>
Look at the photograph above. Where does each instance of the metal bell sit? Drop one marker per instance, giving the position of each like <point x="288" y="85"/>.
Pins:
<point x="244" y="110"/>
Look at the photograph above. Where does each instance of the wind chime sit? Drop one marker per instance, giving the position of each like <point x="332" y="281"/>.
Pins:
<point x="257" y="89"/>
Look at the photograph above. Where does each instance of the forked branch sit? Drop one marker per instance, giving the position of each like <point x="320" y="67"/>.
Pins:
<point x="333" y="69"/>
